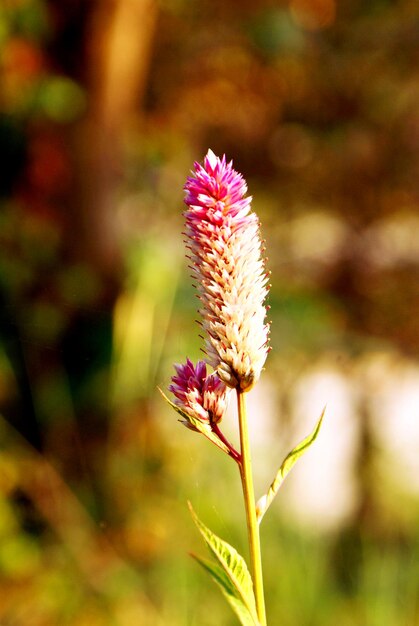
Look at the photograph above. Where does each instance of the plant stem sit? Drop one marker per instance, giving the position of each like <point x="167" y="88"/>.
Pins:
<point x="249" y="502"/>
<point x="231" y="450"/>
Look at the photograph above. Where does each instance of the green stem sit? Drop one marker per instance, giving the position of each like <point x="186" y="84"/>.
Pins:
<point x="249" y="502"/>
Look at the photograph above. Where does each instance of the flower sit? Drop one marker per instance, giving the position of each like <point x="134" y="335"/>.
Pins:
<point x="223" y="236"/>
<point x="199" y="396"/>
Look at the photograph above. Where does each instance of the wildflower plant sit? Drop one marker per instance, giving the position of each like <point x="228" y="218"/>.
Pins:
<point x="225" y="249"/>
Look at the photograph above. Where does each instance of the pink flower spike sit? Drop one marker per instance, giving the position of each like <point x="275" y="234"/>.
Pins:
<point x="198" y="395"/>
<point x="224" y="240"/>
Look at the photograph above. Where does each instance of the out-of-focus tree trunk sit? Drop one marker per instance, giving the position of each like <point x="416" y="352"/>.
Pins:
<point x="120" y="39"/>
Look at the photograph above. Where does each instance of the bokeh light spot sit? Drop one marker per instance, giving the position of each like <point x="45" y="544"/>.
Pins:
<point x="62" y="100"/>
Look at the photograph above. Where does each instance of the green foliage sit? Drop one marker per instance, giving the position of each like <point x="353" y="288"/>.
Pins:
<point x="229" y="591"/>
<point x="286" y="466"/>
<point x="233" y="576"/>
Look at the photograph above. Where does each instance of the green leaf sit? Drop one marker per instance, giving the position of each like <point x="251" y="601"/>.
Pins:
<point x="229" y="591"/>
<point x="197" y="425"/>
<point x="287" y="464"/>
<point x="233" y="575"/>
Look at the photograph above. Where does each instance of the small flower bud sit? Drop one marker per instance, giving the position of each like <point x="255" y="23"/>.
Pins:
<point x="198" y="395"/>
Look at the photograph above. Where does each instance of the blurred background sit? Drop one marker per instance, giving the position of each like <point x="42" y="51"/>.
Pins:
<point x="104" y="106"/>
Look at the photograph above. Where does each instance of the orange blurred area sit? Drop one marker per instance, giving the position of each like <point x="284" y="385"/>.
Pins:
<point x="104" y="107"/>
<point x="313" y="14"/>
<point x="22" y="58"/>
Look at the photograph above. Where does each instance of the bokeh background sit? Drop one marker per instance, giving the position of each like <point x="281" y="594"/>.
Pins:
<point x="104" y="106"/>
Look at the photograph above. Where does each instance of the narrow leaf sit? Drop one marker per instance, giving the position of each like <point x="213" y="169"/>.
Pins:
<point x="233" y="565"/>
<point x="229" y="591"/>
<point x="287" y="465"/>
<point x="196" y="424"/>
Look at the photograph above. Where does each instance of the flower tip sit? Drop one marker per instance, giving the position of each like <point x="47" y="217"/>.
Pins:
<point x="211" y="159"/>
